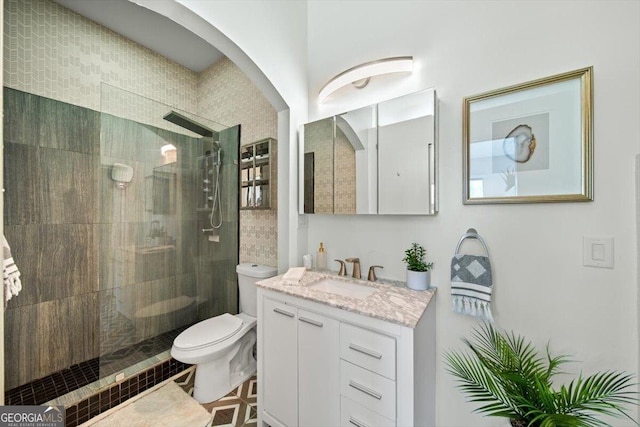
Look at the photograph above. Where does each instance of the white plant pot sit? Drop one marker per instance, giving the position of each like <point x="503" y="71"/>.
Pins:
<point x="418" y="280"/>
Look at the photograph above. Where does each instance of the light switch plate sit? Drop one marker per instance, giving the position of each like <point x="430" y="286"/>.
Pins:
<point x="598" y="252"/>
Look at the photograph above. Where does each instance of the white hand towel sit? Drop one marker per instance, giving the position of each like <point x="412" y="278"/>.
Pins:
<point x="11" y="274"/>
<point x="294" y="274"/>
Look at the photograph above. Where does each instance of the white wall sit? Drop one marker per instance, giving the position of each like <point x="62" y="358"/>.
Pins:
<point x="463" y="48"/>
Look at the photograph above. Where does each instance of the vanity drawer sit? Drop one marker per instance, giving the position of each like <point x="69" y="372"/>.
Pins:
<point x="353" y="414"/>
<point x="368" y="389"/>
<point x="368" y="349"/>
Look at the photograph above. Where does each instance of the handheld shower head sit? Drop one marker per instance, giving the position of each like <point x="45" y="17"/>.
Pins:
<point x="216" y="153"/>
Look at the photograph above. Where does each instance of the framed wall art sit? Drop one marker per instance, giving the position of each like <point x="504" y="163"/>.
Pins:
<point x="530" y="142"/>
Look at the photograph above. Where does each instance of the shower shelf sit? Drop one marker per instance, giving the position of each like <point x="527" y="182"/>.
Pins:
<point x="255" y="169"/>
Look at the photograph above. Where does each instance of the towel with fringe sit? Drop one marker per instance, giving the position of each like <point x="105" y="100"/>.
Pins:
<point x="11" y="274"/>
<point x="471" y="285"/>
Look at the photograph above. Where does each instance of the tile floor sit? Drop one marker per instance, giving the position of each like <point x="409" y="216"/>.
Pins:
<point x="237" y="409"/>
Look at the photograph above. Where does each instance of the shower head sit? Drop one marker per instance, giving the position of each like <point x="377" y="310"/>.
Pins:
<point x="216" y="153"/>
<point x="187" y="123"/>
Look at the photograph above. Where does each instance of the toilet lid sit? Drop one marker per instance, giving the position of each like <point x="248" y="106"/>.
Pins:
<point x="208" y="332"/>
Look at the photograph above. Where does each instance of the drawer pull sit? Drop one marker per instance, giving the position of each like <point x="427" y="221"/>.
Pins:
<point x="366" y="351"/>
<point x="310" y="321"/>
<point x="285" y="313"/>
<point x="356" y="422"/>
<point x="365" y="390"/>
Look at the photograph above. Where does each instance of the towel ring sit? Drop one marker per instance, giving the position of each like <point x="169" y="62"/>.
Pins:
<point x="472" y="234"/>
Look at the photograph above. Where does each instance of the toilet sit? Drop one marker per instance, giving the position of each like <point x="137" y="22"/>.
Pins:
<point x="222" y="347"/>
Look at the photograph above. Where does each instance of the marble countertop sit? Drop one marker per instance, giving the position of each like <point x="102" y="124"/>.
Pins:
<point x="392" y="301"/>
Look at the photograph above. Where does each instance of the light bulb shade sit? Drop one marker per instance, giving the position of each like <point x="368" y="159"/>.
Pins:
<point x="167" y="148"/>
<point x="397" y="64"/>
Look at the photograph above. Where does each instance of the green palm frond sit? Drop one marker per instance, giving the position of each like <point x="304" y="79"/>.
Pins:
<point x="507" y="377"/>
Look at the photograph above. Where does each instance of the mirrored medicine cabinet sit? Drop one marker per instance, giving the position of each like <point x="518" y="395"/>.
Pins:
<point x="380" y="159"/>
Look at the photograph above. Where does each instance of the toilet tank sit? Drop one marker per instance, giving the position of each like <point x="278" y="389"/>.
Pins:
<point x="248" y="275"/>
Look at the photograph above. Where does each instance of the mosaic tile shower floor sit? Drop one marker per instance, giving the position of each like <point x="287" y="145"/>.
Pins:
<point x="57" y="384"/>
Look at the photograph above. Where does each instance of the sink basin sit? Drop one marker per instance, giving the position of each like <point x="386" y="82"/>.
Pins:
<point x="343" y="288"/>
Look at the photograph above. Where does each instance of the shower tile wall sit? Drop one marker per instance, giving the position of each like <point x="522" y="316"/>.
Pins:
<point x="50" y="211"/>
<point x="81" y="243"/>
<point x="58" y="54"/>
<point x="230" y="97"/>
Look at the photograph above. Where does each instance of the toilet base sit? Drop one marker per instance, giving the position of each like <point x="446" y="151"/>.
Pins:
<point x="217" y="378"/>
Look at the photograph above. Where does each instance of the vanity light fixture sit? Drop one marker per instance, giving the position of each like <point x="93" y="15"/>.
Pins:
<point x="360" y="74"/>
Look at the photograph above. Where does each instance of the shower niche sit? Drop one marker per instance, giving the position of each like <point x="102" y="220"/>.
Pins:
<point x="255" y="174"/>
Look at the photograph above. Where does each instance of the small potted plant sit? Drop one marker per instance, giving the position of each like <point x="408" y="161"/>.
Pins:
<point x="507" y="377"/>
<point x="418" y="270"/>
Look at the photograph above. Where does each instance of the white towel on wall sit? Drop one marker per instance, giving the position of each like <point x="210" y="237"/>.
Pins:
<point x="11" y="274"/>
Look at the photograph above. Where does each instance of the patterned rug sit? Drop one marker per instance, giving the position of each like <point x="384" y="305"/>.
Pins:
<point x="237" y="409"/>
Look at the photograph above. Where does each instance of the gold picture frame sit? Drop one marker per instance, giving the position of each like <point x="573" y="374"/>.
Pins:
<point x="531" y="142"/>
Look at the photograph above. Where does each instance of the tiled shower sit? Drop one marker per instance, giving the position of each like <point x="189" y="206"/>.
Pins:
<point x="111" y="271"/>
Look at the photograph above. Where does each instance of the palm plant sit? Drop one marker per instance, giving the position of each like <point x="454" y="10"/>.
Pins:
<point x="508" y="377"/>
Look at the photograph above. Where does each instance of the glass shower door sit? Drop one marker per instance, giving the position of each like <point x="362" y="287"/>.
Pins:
<point x="159" y="273"/>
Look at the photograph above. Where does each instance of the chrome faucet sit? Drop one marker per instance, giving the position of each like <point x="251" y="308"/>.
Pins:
<point x="356" y="267"/>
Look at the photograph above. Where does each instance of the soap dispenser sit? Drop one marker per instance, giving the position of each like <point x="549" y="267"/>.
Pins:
<point x="322" y="258"/>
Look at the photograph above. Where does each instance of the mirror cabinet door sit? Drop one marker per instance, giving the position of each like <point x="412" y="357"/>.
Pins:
<point x="317" y="171"/>
<point x="355" y="164"/>
<point x="406" y="143"/>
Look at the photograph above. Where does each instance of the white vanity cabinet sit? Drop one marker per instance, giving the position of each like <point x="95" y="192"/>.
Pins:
<point x="320" y="365"/>
<point x="280" y="349"/>
<point x="318" y="369"/>
<point x="301" y="349"/>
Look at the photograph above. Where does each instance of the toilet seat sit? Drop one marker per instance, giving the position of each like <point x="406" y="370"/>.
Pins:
<point x="208" y="332"/>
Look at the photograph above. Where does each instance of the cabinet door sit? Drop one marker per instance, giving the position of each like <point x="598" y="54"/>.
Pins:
<point x="280" y="349"/>
<point x="318" y="370"/>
